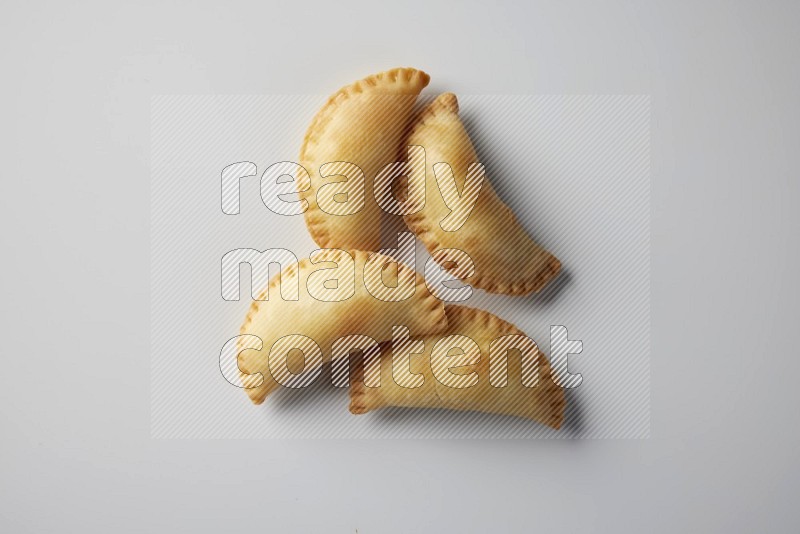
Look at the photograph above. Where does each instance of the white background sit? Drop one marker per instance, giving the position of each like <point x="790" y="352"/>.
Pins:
<point x="76" y="447"/>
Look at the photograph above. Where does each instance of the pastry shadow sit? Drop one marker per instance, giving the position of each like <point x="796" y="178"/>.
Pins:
<point x="526" y="303"/>
<point x="502" y="169"/>
<point x="319" y="393"/>
<point x="555" y="288"/>
<point x="391" y="227"/>
<point x="574" y="416"/>
<point x="442" y="423"/>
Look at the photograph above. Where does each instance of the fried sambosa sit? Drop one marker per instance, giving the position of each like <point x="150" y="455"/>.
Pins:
<point x="497" y="369"/>
<point x="341" y="293"/>
<point x="360" y="130"/>
<point x="506" y="259"/>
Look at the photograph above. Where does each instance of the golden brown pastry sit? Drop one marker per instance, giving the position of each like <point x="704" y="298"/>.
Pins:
<point x="470" y="386"/>
<point x="342" y="293"/>
<point x="360" y="130"/>
<point x="505" y="257"/>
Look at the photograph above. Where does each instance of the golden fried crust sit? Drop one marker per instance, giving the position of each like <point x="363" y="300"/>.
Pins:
<point x="365" y="124"/>
<point x="323" y="321"/>
<point x="506" y="259"/>
<point x="544" y="403"/>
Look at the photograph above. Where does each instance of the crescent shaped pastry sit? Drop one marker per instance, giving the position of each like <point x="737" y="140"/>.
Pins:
<point x="341" y="293"/>
<point x="472" y="386"/>
<point x="506" y="259"/>
<point x="360" y="130"/>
